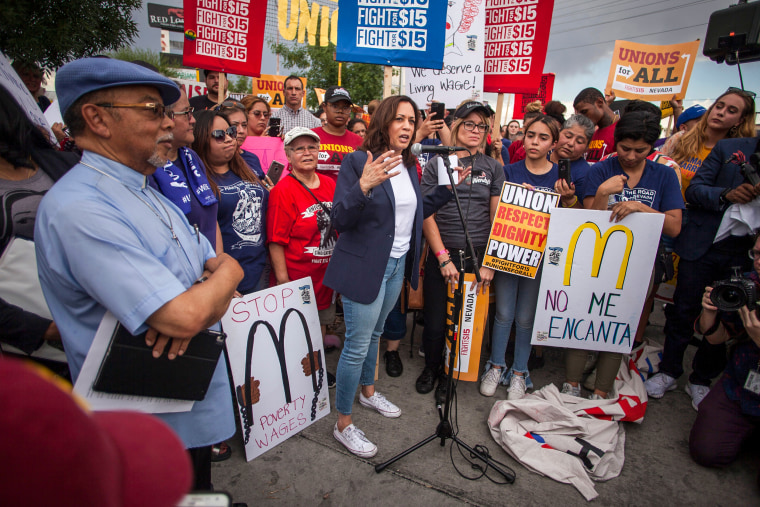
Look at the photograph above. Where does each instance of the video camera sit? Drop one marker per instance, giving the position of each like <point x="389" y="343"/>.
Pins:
<point x="734" y="292"/>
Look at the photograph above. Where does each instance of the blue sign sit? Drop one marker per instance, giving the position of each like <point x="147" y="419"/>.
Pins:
<point x="406" y="33"/>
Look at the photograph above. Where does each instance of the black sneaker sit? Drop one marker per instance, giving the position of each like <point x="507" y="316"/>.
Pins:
<point x="426" y="381"/>
<point x="330" y="380"/>
<point x="442" y="390"/>
<point x="393" y="365"/>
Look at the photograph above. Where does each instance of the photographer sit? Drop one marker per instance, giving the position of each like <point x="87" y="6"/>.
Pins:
<point x="730" y="412"/>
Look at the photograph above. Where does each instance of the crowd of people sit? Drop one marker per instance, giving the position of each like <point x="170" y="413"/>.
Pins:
<point x="161" y="210"/>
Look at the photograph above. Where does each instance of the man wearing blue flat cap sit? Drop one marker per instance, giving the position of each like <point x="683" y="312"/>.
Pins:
<point x="107" y="241"/>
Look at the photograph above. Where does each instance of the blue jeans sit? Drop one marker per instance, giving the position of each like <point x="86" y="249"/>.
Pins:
<point x="395" y="324"/>
<point x="364" y="325"/>
<point x="516" y="299"/>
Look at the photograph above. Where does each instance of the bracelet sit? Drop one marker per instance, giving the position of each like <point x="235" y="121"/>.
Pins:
<point x="444" y="251"/>
<point x="573" y="203"/>
<point x="444" y="263"/>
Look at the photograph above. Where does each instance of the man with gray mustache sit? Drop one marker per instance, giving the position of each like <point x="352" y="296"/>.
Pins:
<point x="107" y="241"/>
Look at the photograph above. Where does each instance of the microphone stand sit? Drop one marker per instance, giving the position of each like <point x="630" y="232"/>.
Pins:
<point x="444" y="430"/>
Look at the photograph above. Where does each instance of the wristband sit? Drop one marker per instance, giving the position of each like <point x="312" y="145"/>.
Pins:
<point x="573" y="203"/>
<point x="444" y="251"/>
<point x="444" y="263"/>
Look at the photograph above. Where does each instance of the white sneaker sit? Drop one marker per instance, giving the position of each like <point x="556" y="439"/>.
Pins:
<point x="490" y="382"/>
<point x="378" y="402"/>
<point x="354" y="440"/>
<point x="568" y="388"/>
<point x="658" y="385"/>
<point x="516" y="388"/>
<point x="697" y="393"/>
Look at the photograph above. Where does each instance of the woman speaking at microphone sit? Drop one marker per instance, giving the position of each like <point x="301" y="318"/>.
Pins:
<point x="378" y="212"/>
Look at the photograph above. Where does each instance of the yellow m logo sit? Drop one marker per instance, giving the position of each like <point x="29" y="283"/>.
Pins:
<point x="600" y="246"/>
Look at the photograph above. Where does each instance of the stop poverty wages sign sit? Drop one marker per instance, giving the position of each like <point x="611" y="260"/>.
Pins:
<point x="517" y="35"/>
<point x="225" y="35"/>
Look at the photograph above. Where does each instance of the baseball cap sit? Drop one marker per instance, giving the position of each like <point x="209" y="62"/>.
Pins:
<point x="690" y="113"/>
<point x="86" y="75"/>
<point x="57" y="452"/>
<point x="297" y="132"/>
<point x="336" y="93"/>
<point x="470" y="107"/>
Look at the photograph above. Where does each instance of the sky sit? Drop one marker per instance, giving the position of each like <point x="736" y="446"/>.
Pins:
<point x="581" y="41"/>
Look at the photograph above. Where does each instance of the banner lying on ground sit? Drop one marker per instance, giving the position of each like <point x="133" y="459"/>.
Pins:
<point x="517" y="35"/>
<point x="225" y="36"/>
<point x="472" y="323"/>
<point x="518" y="233"/>
<point x="595" y="279"/>
<point x="274" y="345"/>
<point x="407" y="33"/>
<point x="642" y="71"/>
<point x="461" y="77"/>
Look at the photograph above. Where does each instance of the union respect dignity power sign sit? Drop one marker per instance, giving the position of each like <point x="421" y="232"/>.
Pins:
<point x="519" y="230"/>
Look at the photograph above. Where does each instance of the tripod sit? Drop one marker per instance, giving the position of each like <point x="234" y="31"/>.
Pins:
<point x="444" y="430"/>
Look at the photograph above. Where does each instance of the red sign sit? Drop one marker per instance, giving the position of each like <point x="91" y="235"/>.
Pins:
<point x="517" y="34"/>
<point x="225" y="35"/>
<point x="545" y="91"/>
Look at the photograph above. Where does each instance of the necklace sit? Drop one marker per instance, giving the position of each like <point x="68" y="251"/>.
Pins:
<point x="169" y="225"/>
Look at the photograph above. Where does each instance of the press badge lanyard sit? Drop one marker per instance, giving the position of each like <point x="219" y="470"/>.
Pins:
<point x="752" y="384"/>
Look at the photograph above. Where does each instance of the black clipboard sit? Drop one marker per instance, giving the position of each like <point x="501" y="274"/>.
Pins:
<point x="129" y="367"/>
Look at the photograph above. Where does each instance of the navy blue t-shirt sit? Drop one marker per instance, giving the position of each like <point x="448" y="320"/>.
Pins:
<point x="242" y="219"/>
<point x="519" y="173"/>
<point x="658" y="187"/>
<point x="253" y="162"/>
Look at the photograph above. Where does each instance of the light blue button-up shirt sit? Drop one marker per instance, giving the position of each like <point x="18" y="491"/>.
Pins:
<point x="101" y="246"/>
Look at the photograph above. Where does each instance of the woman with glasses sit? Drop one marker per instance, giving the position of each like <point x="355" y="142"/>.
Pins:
<point x="235" y="113"/>
<point x="731" y="115"/>
<point x="445" y="235"/>
<point x="242" y="197"/>
<point x="258" y="142"/>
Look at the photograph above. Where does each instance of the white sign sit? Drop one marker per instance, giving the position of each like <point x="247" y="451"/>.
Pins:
<point x="595" y="279"/>
<point x="11" y="82"/>
<point x="274" y="344"/>
<point x="462" y="75"/>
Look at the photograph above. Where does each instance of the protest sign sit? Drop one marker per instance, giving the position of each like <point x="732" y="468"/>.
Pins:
<point x="224" y="36"/>
<point x="300" y="21"/>
<point x="271" y="88"/>
<point x="193" y="88"/>
<point x="595" y="279"/>
<point x="407" y="33"/>
<point x="545" y="91"/>
<point x="16" y="87"/>
<point x="518" y="232"/>
<point x="643" y="71"/>
<point x="461" y="77"/>
<point x="472" y="323"/>
<point x="274" y="345"/>
<point x="517" y="35"/>
<point x="166" y="17"/>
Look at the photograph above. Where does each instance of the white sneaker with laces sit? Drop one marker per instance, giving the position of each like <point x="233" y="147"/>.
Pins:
<point x="378" y="402"/>
<point x="568" y="388"/>
<point x="658" y="385"/>
<point x="697" y="393"/>
<point x="354" y="440"/>
<point x="490" y="382"/>
<point x="516" y="388"/>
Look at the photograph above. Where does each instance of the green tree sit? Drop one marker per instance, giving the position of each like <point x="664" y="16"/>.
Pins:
<point x="240" y="85"/>
<point x="129" y="54"/>
<point x="53" y="32"/>
<point x="317" y="63"/>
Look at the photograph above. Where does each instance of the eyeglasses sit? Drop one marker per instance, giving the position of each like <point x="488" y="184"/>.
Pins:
<point x="478" y="127"/>
<point x="158" y="110"/>
<point x="189" y="110"/>
<point x="219" y="134"/>
<point x="260" y="113"/>
<point x="303" y="149"/>
<point x="340" y="109"/>
<point x="753" y="254"/>
<point x="739" y="91"/>
<point x="229" y="104"/>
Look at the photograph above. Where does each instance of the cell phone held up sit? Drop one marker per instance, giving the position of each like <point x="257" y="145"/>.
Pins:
<point x="564" y="170"/>
<point x="274" y="127"/>
<point x="275" y="171"/>
<point x="439" y="108"/>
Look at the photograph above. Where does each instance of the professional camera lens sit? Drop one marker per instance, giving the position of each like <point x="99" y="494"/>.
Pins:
<point x="728" y="297"/>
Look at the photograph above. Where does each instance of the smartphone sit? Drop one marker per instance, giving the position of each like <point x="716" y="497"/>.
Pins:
<point x="275" y="171"/>
<point x="564" y="170"/>
<point x="274" y="127"/>
<point x="439" y="108"/>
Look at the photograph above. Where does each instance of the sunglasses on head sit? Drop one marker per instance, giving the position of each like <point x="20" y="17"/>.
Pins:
<point x="219" y="134"/>
<point x="739" y="91"/>
<point x="229" y="104"/>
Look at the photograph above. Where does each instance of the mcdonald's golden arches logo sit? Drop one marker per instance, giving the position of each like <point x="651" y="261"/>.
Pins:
<point x="600" y="247"/>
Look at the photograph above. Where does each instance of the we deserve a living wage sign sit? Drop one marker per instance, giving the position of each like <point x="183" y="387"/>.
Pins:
<point x="595" y="279"/>
<point x="518" y="233"/>
<point x="274" y="345"/>
<point x="408" y="33"/>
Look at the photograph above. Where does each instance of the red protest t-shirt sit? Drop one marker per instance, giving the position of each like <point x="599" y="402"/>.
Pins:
<point x="332" y="149"/>
<point x="297" y="222"/>
<point x="602" y="144"/>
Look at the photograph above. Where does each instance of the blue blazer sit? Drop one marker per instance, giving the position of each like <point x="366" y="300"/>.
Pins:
<point x="703" y="195"/>
<point x="366" y="227"/>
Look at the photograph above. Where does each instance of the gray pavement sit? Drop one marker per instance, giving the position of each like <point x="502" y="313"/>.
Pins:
<point x="312" y="468"/>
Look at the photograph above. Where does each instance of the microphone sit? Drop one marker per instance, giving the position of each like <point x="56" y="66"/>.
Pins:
<point x="418" y="148"/>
